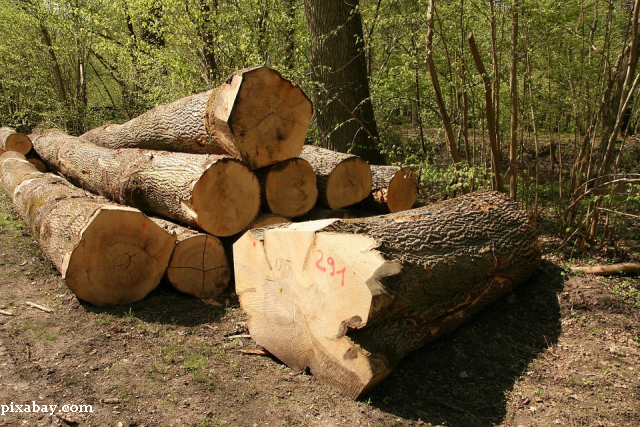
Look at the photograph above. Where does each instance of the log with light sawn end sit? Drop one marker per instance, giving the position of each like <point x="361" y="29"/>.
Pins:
<point x="10" y="140"/>
<point x="215" y="193"/>
<point x="106" y="253"/>
<point x="349" y="298"/>
<point x="256" y="115"/>
<point x="199" y="265"/>
<point x="343" y="179"/>
<point x="394" y="188"/>
<point x="288" y="188"/>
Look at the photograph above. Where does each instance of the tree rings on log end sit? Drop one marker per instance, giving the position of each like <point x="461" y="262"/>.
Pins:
<point x="120" y="258"/>
<point x="226" y="198"/>
<point x="199" y="267"/>
<point x="10" y="140"/>
<point x="349" y="183"/>
<point x="259" y="117"/>
<point x="290" y="188"/>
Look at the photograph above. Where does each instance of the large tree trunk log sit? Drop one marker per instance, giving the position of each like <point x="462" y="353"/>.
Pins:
<point x="342" y="179"/>
<point x="394" y="189"/>
<point x="10" y="140"/>
<point x="288" y="188"/>
<point x="256" y="116"/>
<point x="215" y="193"/>
<point x="199" y="265"/>
<point x="350" y="298"/>
<point x="107" y="254"/>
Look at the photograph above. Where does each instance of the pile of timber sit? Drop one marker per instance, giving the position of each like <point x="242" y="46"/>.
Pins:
<point x="206" y="188"/>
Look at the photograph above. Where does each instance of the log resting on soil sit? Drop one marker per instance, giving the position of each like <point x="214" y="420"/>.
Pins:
<point x="256" y="116"/>
<point x="107" y="254"/>
<point x="10" y="140"/>
<point x="288" y="188"/>
<point x="350" y="298"/>
<point x="199" y="265"/>
<point x="394" y="189"/>
<point x="217" y="194"/>
<point x="343" y="179"/>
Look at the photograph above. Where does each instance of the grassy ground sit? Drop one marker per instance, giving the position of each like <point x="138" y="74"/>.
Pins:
<point x="562" y="349"/>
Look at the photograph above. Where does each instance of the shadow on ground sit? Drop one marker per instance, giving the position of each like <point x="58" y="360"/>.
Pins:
<point x="463" y="380"/>
<point x="167" y="306"/>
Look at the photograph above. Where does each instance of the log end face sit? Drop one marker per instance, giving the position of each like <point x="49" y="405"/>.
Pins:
<point x="349" y="183"/>
<point x="124" y="266"/>
<point x="267" y="117"/>
<point x="19" y="143"/>
<point x="199" y="267"/>
<point x="290" y="188"/>
<point x="226" y="198"/>
<point x="403" y="191"/>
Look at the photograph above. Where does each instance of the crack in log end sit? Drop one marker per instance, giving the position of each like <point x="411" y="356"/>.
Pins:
<point x="350" y="354"/>
<point x="350" y="324"/>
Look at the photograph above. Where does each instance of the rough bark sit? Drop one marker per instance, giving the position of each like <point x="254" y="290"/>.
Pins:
<point x="345" y="119"/>
<point x="342" y="179"/>
<point x="349" y="298"/>
<point x="10" y="140"/>
<point x="199" y="265"/>
<point x="217" y="194"/>
<point x="256" y="116"/>
<point x="107" y="254"/>
<point x="288" y="188"/>
<point x="394" y="189"/>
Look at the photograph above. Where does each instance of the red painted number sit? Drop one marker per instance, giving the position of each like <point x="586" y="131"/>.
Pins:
<point x="332" y="263"/>
<point x="321" y="268"/>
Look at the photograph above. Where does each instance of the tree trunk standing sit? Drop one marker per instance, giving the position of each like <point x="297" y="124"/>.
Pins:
<point x="209" y="9"/>
<point x="513" y="86"/>
<point x="345" y="116"/>
<point x="350" y="298"/>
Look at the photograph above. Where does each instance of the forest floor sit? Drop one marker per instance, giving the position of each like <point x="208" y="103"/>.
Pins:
<point x="562" y="349"/>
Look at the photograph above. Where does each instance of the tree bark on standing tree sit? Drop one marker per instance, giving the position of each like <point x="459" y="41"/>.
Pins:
<point x="345" y="116"/>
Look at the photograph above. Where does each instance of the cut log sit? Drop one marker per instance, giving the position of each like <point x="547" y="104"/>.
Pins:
<point x="320" y="212"/>
<point x="107" y="254"/>
<point x="350" y="298"/>
<point x="37" y="162"/>
<point x="267" y="219"/>
<point x="14" y="169"/>
<point x="256" y="116"/>
<point x="199" y="265"/>
<point x="394" y="189"/>
<point x="10" y="140"/>
<point x="217" y="194"/>
<point x="608" y="270"/>
<point x="288" y="188"/>
<point x="343" y="179"/>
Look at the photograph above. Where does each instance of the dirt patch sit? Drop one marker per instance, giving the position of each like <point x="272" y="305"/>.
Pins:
<point x="559" y="350"/>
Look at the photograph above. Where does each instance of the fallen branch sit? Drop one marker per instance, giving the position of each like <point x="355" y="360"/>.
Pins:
<point x="6" y="313"/>
<point x="607" y="270"/>
<point x="39" y="307"/>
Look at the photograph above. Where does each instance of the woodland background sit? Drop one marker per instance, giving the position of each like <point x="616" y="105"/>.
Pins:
<point x="551" y="120"/>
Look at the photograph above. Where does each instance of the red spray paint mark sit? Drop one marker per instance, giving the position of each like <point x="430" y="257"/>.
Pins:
<point x="393" y="196"/>
<point x="278" y="182"/>
<point x="210" y="244"/>
<point x="144" y="225"/>
<point x="254" y="244"/>
<point x="343" y="194"/>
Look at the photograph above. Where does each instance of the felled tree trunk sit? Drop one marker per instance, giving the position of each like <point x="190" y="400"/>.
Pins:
<point x="256" y="116"/>
<point x="198" y="265"/>
<point x="394" y="189"/>
<point x="107" y="254"/>
<point x="342" y="179"/>
<point x="288" y="188"/>
<point x="350" y="298"/>
<point x="10" y="140"/>
<point x="215" y="193"/>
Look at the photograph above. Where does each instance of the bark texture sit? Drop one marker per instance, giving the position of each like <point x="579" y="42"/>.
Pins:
<point x="199" y="265"/>
<point x="215" y="193"/>
<point x="10" y="140"/>
<point x="256" y="116"/>
<point x="345" y="119"/>
<point x="350" y="298"/>
<point x="394" y="189"/>
<point x="342" y="179"/>
<point x="107" y="254"/>
<point x="288" y="188"/>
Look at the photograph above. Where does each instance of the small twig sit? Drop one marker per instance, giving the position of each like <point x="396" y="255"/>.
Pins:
<point x="6" y="313"/>
<point x="238" y="336"/>
<point x="39" y="307"/>
<point x="209" y="326"/>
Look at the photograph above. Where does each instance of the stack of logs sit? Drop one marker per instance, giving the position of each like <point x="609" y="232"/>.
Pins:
<point x="167" y="191"/>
